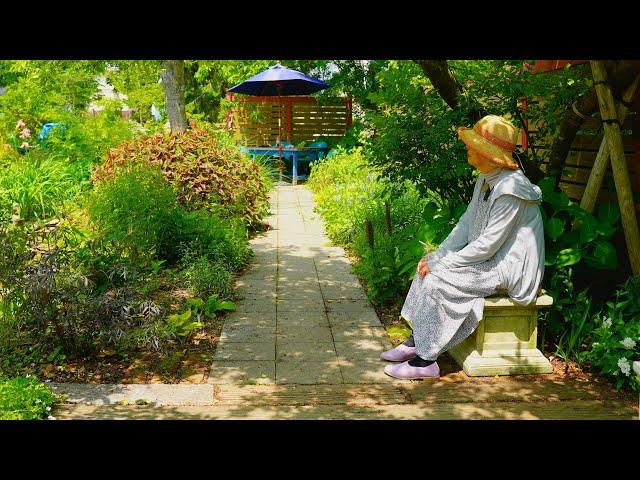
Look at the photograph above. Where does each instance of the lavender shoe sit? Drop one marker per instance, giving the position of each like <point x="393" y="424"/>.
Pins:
<point x="407" y="372"/>
<point x="399" y="354"/>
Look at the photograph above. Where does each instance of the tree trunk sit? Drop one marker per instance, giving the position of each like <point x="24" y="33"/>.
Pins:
<point x="443" y="80"/>
<point x="621" y="75"/>
<point x="173" y="85"/>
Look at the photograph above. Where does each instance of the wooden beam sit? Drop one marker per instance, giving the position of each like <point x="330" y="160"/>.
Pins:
<point x="602" y="159"/>
<point x="618" y="163"/>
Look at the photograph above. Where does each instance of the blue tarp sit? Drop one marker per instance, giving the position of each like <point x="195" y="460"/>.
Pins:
<point x="46" y="129"/>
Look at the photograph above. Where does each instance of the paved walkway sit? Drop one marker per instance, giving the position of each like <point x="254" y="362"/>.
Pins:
<point x="304" y="318"/>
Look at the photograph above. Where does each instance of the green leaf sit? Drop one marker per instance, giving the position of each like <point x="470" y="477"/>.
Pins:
<point x="588" y="226"/>
<point x="459" y="211"/>
<point x="546" y="185"/>
<point x="430" y="210"/>
<point x="608" y="212"/>
<point x="226" y="305"/>
<point x="568" y="256"/>
<point x="426" y="233"/>
<point x="605" y="229"/>
<point x="603" y="256"/>
<point x="571" y="238"/>
<point x="554" y="228"/>
<point x="557" y="200"/>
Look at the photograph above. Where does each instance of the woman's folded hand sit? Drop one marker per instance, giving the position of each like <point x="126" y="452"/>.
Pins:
<point x="423" y="267"/>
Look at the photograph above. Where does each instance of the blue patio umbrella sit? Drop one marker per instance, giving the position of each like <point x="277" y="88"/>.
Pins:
<point x="277" y="81"/>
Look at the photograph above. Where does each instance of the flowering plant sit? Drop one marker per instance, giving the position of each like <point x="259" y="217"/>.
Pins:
<point x="615" y="346"/>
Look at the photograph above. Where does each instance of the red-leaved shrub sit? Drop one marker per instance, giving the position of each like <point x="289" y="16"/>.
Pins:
<point x="204" y="173"/>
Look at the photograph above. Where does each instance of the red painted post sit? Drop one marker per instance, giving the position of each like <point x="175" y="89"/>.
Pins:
<point x="525" y="139"/>
<point x="230" y="112"/>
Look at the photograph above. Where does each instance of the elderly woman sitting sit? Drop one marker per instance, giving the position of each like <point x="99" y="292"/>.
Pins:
<point x="498" y="244"/>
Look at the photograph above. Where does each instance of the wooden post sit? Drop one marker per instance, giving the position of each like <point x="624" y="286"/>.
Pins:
<point x="289" y="122"/>
<point x="635" y="128"/>
<point x="387" y="216"/>
<point x="368" y="229"/>
<point x="602" y="159"/>
<point x="618" y="163"/>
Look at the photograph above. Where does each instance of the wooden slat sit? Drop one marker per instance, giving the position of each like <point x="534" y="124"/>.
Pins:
<point x="593" y="142"/>
<point x="586" y="159"/>
<point x="575" y="192"/>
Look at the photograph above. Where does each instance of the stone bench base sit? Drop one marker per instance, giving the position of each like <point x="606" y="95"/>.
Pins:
<point x="505" y="342"/>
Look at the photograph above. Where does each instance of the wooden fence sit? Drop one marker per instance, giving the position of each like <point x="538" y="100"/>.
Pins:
<point x="259" y="120"/>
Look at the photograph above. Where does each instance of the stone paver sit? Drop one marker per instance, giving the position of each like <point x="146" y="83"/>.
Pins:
<point x="296" y="300"/>
<point x="159" y="394"/>
<point x="244" y="372"/>
<point x="246" y="351"/>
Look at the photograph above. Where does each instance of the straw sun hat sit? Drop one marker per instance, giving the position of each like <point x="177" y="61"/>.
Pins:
<point x="493" y="137"/>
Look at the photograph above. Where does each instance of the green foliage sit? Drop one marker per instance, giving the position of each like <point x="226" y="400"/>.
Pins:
<point x="214" y="305"/>
<point x="204" y="172"/>
<point x="415" y="133"/>
<point x="25" y="398"/>
<point x="44" y="91"/>
<point x="34" y="187"/>
<point x="138" y="212"/>
<point x="182" y="325"/>
<point x="574" y="234"/>
<point x="139" y="80"/>
<point x="577" y="320"/>
<point x="347" y="192"/>
<point x="208" y="277"/>
<point x="615" y="342"/>
<point x="83" y="141"/>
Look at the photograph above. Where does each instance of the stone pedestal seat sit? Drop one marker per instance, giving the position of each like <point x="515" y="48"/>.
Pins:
<point x="505" y="342"/>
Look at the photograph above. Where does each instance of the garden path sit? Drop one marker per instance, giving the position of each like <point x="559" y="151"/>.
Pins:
<point x="304" y="317"/>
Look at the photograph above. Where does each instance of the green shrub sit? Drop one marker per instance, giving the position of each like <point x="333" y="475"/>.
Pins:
<point x="221" y="241"/>
<point x="37" y="184"/>
<point x="346" y="191"/>
<point x="25" y="398"/>
<point x="615" y="342"/>
<point x="83" y="141"/>
<point x="206" y="277"/>
<point x="204" y="172"/>
<point x="138" y="212"/>
<point x="416" y="223"/>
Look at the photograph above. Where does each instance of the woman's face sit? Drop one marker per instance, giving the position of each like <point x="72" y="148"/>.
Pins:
<point x="480" y="162"/>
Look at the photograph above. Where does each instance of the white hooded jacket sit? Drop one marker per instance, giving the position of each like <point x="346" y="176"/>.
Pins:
<point x="514" y="234"/>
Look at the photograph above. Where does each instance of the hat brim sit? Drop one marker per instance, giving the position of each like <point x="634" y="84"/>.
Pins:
<point x="497" y="155"/>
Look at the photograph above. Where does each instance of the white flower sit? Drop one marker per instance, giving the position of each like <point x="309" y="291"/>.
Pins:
<point x="48" y="409"/>
<point x="636" y="367"/>
<point x="625" y="368"/>
<point x="607" y="322"/>
<point x="628" y="343"/>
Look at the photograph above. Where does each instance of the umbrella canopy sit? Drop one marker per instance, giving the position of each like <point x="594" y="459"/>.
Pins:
<point x="279" y="80"/>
